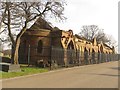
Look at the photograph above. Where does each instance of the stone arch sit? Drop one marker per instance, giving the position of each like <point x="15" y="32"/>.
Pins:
<point x="89" y="51"/>
<point x="71" y="53"/>
<point x="102" y="54"/>
<point x="86" y="52"/>
<point x="70" y="45"/>
<point x="93" y="56"/>
<point x="78" y="55"/>
<point x="23" y="52"/>
<point x="99" y="56"/>
<point x="40" y="46"/>
<point x="90" y="56"/>
<point x="101" y="48"/>
<point x="107" y="56"/>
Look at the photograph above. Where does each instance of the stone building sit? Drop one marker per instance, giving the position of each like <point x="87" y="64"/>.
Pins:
<point x="42" y="43"/>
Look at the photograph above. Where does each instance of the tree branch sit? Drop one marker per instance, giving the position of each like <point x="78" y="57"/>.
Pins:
<point x="9" y="22"/>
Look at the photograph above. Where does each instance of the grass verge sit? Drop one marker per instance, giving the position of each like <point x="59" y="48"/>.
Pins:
<point x="24" y="71"/>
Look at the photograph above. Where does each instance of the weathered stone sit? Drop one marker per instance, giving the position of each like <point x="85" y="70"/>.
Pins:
<point x="64" y="40"/>
<point x="7" y="67"/>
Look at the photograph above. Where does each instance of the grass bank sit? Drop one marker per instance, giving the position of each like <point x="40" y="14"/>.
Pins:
<point x="24" y="71"/>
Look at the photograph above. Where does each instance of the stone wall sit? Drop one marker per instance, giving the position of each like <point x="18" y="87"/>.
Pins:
<point x="88" y="50"/>
<point x="40" y="42"/>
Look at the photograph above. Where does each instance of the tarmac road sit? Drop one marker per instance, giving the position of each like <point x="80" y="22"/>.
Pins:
<point x="104" y="75"/>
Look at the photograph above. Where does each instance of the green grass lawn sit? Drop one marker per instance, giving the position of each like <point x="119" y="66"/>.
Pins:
<point x="24" y="71"/>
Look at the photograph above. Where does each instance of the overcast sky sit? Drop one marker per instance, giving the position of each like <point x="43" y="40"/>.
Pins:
<point x="103" y="13"/>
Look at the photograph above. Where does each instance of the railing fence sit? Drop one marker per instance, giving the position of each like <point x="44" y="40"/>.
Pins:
<point x="58" y="57"/>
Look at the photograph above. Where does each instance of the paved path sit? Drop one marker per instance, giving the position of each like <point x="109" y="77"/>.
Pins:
<point x="103" y="75"/>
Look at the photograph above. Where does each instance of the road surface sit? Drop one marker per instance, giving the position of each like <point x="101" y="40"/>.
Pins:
<point x="104" y="75"/>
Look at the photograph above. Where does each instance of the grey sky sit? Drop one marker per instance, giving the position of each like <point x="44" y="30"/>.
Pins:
<point x="103" y="13"/>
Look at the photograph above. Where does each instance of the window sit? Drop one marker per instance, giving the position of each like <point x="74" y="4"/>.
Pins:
<point x="40" y="46"/>
<point x="24" y="44"/>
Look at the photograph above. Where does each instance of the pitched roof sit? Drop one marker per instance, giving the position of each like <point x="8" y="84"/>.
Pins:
<point x="41" y="24"/>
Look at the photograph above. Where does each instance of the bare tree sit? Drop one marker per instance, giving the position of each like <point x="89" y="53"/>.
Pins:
<point x="89" y="31"/>
<point x="101" y="36"/>
<point x="18" y="15"/>
<point x="111" y="41"/>
<point x="93" y="31"/>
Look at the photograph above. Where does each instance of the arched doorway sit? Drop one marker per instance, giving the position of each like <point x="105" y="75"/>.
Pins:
<point x="70" y="53"/>
<point x="85" y="56"/>
<point x="93" y="56"/>
<point x="78" y="59"/>
<point x="23" y="52"/>
<point x="40" y="46"/>
<point x="89" y="56"/>
<point x="99" y="56"/>
<point x="106" y="56"/>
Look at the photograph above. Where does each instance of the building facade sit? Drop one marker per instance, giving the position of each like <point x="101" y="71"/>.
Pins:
<point x="42" y="44"/>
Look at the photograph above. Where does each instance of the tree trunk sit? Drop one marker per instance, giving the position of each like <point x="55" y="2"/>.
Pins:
<point x="16" y="46"/>
<point x="12" y="53"/>
<point x="15" y="52"/>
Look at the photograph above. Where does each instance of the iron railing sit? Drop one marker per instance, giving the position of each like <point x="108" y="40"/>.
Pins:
<point x="58" y="57"/>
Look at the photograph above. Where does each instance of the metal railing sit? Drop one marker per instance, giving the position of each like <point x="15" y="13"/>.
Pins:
<point x="58" y="57"/>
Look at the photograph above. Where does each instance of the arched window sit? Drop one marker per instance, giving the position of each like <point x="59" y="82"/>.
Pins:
<point x="24" y="44"/>
<point x="40" y="46"/>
